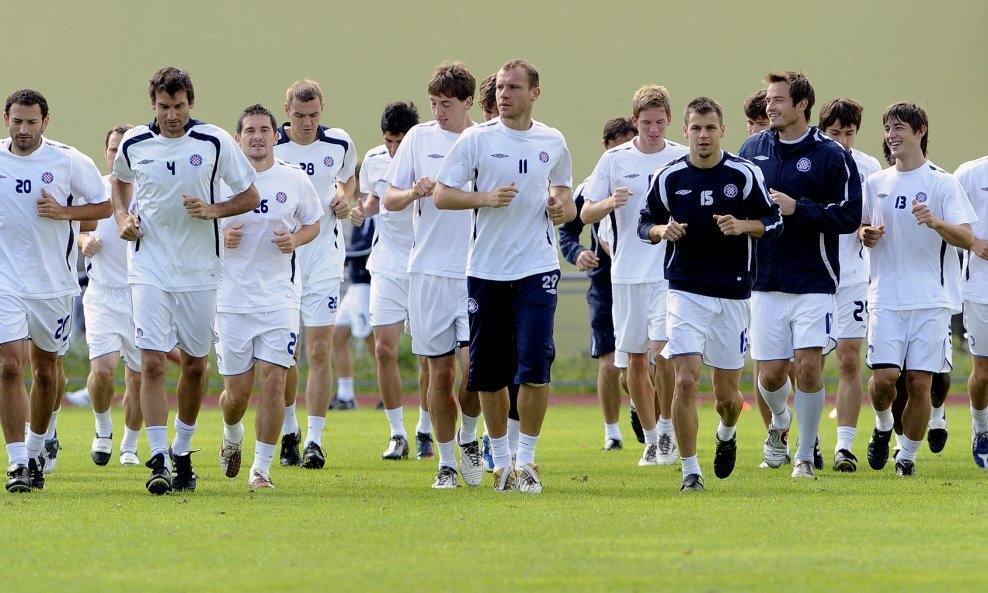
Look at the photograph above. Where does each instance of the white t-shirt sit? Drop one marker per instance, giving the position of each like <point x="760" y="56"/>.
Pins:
<point x="108" y="268"/>
<point x="518" y="240"/>
<point x="330" y="158"/>
<point x="853" y="263"/>
<point x="973" y="177"/>
<point x="257" y="276"/>
<point x="393" y="233"/>
<point x="179" y="253"/>
<point x="442" y="237"/>
<point x="908" y="265"/>
<point x="632" y="261"/>
<point x="38" y="255"/>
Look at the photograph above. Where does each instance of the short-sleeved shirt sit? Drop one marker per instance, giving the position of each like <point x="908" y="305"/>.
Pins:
<point x="517" y="240"/>
<point x="393" y="233"/>
<point x="108" y="267"/>
<point x="38" y="255"/>
<point x="257" y="276"/>
<point x="853" y="265"/>
<point x="973" y="177"/>
<point x="179" y="253"/>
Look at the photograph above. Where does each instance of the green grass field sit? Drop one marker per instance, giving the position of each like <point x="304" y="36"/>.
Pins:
<point x="603" y="524"/>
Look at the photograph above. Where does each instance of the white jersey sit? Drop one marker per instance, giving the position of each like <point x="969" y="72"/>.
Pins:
<point x="632" y="261"/>
<point x="908" y="268"/>
<point x="38" y="255"/>
<point x="179" y="253"/>
<point x="108" y="268"/>
<point x="973" y="177"/>
<point x="257" y="276"/>
<point x="518" y="240"/>
<point x="442" y="237"/>
<point x="331" y="158"/>
<point x="853" y="265"/>
<point x="393" y="233"/>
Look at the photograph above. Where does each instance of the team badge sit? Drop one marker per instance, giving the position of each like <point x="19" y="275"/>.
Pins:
<point x="730" y="190"/>
<point x="871" y="349"/>
<point x="544" y="156"/>
<point x="47" y="177"/>
<point x="328" y="161"/>
<point x="803" y="164"/>
<point x="970" y="339"/>
<point x="921" y="197"/>
<point x="282" y="197"/>
<point x="140" y="333"/>
<point x="195" y="160"/>
<point x="472" y="306"/>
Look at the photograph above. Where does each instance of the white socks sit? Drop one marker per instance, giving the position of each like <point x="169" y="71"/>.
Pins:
<point x="526" y="448"/>
<point x="691" y="465"/>
<point x="725" y="433"/>
<point x="183" y="437"/>
<point x="612" y="431"/>
<point x="652" y="436"/>
<point x="777" y="402"/>
<point x="468" y="429"/>
<point x="263" y="455"/>
<point x="52" y="424"/>
<point x="501" y="452"/>
<point x="290" y="424"/>
<point x="313" y="432"/>
<point x="980" y="419"/>
<point x="884" y="421"/>
<point x="16" y="454"/>
<point x="158" y="440"/>
<point x="809" y="410"/>
<point x="424" y="425"/>
<point x="33" y="443"/>
<point x="104" y="424"/>
<point x="845" y="438"/>
<point x="514" y="431"/>
<point x="396" y="418"/>
<point x="447" y="454"/>
<point x="909" y="449"/>
<point x="129" y="442"/>
<point x="344" y="389"/>
<point x="233" y="433"/>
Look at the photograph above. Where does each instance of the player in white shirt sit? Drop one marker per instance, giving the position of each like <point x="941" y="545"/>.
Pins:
<point x="110" y="328"/>
<point x="329" y="157"/>
<point x="172" y="169"/>
<point x="257" y="307"/>
<point x="388" y="265"/>
<point x="840" y="119"/>
<point x="437" y="291"/>
<point x="522" y="175"/>
<point x="616" y="190"/>
<point x="973" y="177"/>
<point x="911" y="211"/>
<point x="45" y="186"/>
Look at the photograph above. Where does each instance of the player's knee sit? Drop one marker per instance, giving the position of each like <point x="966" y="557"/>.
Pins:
<point x="194" y="367"/>
<point x="850" y="366"/>
<point x="386" y="352"/>
<point x="918" y="384"/>
<point x="101" y="374"/>
<point x="685" y="385"/>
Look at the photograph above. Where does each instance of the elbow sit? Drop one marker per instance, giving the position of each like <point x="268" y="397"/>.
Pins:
<point x="441" y="198"/>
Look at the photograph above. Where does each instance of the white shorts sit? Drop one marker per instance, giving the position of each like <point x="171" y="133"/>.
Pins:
<point x="388" y="300"/>
<point x="852" y="311"/>
<point x="639" y="313"/>
<point x="46" y="322"/>
<point x="110" y="324"/>
<point x="621" y="359"/>
<point x="355" y="311"/>
<point x="918" y="340"/>
<point x="320" y="303"/>
<point x="976" y="325"/>
<point x="437" y="314"/>
<point x="271" y="336"/>
<point x="164" y="320"/>
<point x="782" y="323"/>
<point x="714" y="328"/>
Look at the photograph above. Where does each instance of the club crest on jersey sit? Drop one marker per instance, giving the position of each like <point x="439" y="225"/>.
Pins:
<point x="47" y="177"/>
<point x="921" y="197"/>
<point x="472" y="306"/>
<point x="195" y="160"/>
<point x="544" y="156"/>
<point x="328" y="161"/>
<point x="871" y="349"/>
<point x="730" y="190"/>
<point x="970" y="339"/>
<point x="803" y="164"/>
<point x="140" y="333"/>
<point x="499" y="155"/>
<point x="281" y="196"/>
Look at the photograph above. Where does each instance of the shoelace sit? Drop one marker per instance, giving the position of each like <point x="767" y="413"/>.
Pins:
<point x="472" y="452"/>
<point x="665" y="444"/>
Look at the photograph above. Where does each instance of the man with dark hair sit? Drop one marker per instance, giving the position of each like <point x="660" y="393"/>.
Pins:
<point x="329" y="157"/>
<point x="172" y="169"/>
<point x="487" y="97"/>
<point x="522" y="177"/>
<point x="816" y="184"/>
<point x="257" y="308"/>
<point x="437" y="288"/>
<point x="709" y="205"/>
<point x="597" y="264"/>
<point x="45" y="187"/>
<point x="912" y="211"/>
<point x="840" y="119"/>
<point x="754" y="112"/>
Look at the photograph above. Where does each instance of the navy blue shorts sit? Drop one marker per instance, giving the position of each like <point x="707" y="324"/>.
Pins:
<point x="511" y="324"/>
<point x="601" y="320"/>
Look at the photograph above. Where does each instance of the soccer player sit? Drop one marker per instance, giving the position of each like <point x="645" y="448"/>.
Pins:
<point x="754" y="112"/>
<point x="597" y="264"/>
<point x="912" y="210"/>
<point x="172" y="169"/>
<point x="257" y="307"/>
<point x="110" y="328"/>
<point x="973" y="177"/>
<point x="329" y="157"/>
<point x="437" y="288"/>
<point x="815" y="183"/>
<point x="617" y="189"/>
<point x="45" y="186"/>
<point x="708" y="206"/>
<point x="841" y="119"/>
<point x="522" y="174"/>
<point x="388" y="265"/>
<point x="487" y="97"/>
